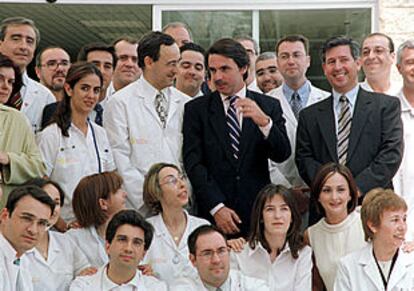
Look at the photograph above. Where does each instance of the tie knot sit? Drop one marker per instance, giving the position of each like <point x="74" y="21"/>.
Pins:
<point x="232" y="99"/>
<point x="295" y="96"/>
<point x="98" y="108"/>
<point x="17" y="262"/>
<point x="343" y="99"/>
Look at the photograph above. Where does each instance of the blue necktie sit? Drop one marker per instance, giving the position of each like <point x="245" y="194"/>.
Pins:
<point x="296" y="104"/>
<point x="233" y="127"/>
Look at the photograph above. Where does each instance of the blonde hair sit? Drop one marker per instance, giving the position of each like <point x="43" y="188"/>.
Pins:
<point x="375" y="203"/>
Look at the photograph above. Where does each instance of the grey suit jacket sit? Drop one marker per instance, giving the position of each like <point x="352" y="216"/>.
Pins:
<point x="375" y="142"/>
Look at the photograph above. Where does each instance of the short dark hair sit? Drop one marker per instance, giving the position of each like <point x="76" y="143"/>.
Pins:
<point x="131" y="217"/>
<point x="150" y="44"/>
<point x="18" y="21"/>
<point x="28" y="190"/>
<point x="336" y="41"/>
<point x="323" y="174"/>
<point x="190" y="46"/>
<point x="252" y="40"/>
<point x="38" y="58"/>
<point x="293" y="38"/>
<point x="42" y="182"/>
<point x="5" y="62"/>
<point x="390" y="41"/>
<point x="232" y="49"/>
<point x="257" y="231"/>
<point x="96" y="46"/>
<point x="90" y="189"/>
<point x="201" y="230"/>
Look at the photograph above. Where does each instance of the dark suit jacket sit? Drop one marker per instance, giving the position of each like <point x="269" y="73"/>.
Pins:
<point x="215" y="175"/>
<point x="48" y="112"/>
<point x="375" y="143"/>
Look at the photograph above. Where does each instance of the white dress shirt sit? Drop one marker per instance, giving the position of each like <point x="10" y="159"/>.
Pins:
<point x="91" y="244"/>
<point x="168" y="260"/>
<point x="101" y="282"/>
<point x="392" y="90"/>
<point x="11" y="273"/>
<point x="64" y="261"/>
<point x="285" y="273"/>
<point x="236" y="281"/>
<point x="69" y="159"/>
<point x="137" y="136"/>
<point x="35" y="97"/>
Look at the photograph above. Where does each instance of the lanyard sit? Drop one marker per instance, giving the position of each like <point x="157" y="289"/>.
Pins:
<point x="96" y="147"/>
<point x="394" y="259"/>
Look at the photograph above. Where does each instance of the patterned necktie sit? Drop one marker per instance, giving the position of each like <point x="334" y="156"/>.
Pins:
<point x="233" y="126"/>
<point x="161" y="108"/>
<point x="99" y="113"/>
<point x="295" y="104"/>
<point x="16" y="101"/>
<point x="344" y="129"/>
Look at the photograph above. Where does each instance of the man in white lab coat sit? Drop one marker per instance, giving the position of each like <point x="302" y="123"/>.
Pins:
<point x="210" y="255"/>
<point x="18" y="40"/>
<point x="144" y="119"/>
<point x="23" y="221"/>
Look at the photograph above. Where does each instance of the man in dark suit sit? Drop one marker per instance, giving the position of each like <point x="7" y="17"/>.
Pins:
<point x="359" y="129"/>
<point x="228" y="137"/>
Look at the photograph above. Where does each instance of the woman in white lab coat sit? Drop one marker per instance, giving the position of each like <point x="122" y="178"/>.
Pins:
<point x="166" y="193"/>
<point x="73" y="146"/>
<point x="275" y="251"/>
<point x="55" y="261"/>
<point x="339" y="232"/>
<point x="96" y="199"/>
<point x="381" y="265"/>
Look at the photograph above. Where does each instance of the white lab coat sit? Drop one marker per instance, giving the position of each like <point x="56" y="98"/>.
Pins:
<point x="403" y="180"/>
<point x="392" y="91"/>
<point x="101" y="282"/>
<point x="10" y="271"/>
<point x="69" y="159"/>
<point x="136" y="134"/>
<point x="285" y="273"/>
<point x="238" y="282"/>
<point x="35" y="97"/>
<point x="65" y="261"/>
<point x="358" y="271"/>
<point x="286" y="173"/>
<point x="89" y="242"/>
<point x="167" y="260"/>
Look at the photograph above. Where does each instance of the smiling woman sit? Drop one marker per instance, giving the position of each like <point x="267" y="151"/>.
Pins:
<point x="73" y="146"/>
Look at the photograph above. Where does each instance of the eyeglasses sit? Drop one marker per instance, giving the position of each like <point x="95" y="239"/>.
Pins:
<point x="170" y="179"/>
<point x="52" y="64"/>
<point x="29" y="220"/>
<point x="209" y="254"/>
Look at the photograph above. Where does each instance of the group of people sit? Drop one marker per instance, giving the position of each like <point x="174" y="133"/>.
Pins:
<point x="94" y="161"/>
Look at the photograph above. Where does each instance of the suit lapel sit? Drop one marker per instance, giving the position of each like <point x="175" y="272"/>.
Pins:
<point x="370" y="268"/>
<point x="326" y="122"/>
<point x="217" y="121"/>
<point x="402" y="265"/>
<point x="248" y="129"/>
<point x="362" y="110"/>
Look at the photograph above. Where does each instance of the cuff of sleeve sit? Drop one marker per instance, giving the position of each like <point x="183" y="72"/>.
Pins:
<point x="216" y="208"/>
<point x="266" y="129"/>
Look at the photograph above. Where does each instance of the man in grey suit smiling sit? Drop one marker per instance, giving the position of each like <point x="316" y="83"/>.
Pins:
<point x="359" y="129"/>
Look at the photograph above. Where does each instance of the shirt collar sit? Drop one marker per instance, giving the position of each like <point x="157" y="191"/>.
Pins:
<point x="303" y="91"/>
<point x="107" y="284"/>
<point x="259" y="248"/>
<point x="351" y="95"/>
<point x="151" y="91"/>
<point x="225" y="286"/>
<point x="405" y="105"/>
<point x="240" y="94"/>
<point x="7" y="249"/>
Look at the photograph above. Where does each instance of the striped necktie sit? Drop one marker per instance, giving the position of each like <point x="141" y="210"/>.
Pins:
<point x="233" y="127"/>
<point x="296" y="104"/>
<point x="161" y="108"/>
<point x="16" y="101"/>
<point x="344" y="129"/>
